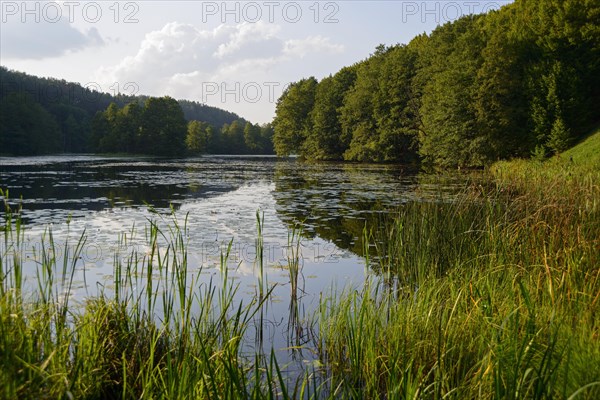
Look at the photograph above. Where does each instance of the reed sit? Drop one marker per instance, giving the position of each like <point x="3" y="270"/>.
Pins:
<point x="156" y="334"/>
<point x="490" y="295"/>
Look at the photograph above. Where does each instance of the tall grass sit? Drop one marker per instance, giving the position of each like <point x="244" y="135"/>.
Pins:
<point x="493" y="295"/>
<point x="160" y="334"/>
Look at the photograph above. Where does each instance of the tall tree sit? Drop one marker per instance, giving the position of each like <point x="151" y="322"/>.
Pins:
<point x="325" y="140"/>
<point x="163" y="128"/>
<point x="127" y="126"/>
<point x="292" y="123"/>
<point x="197" y="139"/>
<point x="26" y="128"/>
<point x="266" y="138"/>
<point x="233" y="138"/>
<point x="449" y="136"/>
<point x="357" y="114"/>
<point x="252" y="140"/>
<point x="394" y="108"/>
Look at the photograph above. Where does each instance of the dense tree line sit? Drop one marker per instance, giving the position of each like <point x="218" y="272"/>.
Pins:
<point x="159" y="127"/>
<point x="194" y="111"/>
<point x="46" y="115"/>
<point x="520" y="81"/>
<point x="239" y="137"/>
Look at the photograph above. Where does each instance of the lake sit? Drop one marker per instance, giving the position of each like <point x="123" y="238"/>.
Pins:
<point x="112" y="199"/>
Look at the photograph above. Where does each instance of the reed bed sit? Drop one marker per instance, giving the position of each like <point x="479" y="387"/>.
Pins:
<point x="494" y="294"/>
<point x="157" y="333"/>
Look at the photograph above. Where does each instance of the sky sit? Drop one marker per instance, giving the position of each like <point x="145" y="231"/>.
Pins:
<point x="235" y="55"/>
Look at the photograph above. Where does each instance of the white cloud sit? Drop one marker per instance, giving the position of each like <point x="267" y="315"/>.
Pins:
<point x="43" y="39"/>
<point x="181" y="52"/>
<point x="249" y="35"/>
<point x="180" y="60"/>
<point x="312" y="44"/>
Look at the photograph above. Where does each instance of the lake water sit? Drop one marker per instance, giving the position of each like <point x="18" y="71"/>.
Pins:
<point x="112" y="197"/>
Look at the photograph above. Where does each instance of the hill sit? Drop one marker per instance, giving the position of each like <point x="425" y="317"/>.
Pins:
<point x="520" y="81"/>
<point x="587" y="152"/>
<point x="47" y="115"/>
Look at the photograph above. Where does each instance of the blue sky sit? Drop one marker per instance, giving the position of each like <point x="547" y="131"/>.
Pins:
<point x="235" y="55"/>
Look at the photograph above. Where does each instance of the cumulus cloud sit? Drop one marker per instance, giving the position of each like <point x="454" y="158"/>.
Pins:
<point x="175" y="58"/>
<point x="183" y="61"/>
<point x="302" y="47"/>
<point x="45" y="39"/>
<point x="250" y="41"/>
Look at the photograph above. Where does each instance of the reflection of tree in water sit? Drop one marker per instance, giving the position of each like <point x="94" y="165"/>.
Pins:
<point x="92" y="186"/>
<point x="337" y="201"/>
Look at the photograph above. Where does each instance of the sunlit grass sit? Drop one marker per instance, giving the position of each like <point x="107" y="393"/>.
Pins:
<point x="492" y="294"/>
<point x="141" y="340"/>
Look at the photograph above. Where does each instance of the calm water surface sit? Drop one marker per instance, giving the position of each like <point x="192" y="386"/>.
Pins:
<point x="109" y="198"/>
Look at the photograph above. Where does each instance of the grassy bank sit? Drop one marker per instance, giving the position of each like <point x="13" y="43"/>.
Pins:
<point x="155" y="333"/>
<point x="491" y="295"/>
<point x="494" y="295"/>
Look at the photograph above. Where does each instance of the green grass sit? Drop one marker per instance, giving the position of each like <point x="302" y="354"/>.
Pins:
<point x="491" y="295"/>
<point x="579" y="166"/>
<point x="141" y="340"/>
<point x="586" y="152"/>
<point x="494" y="294"/>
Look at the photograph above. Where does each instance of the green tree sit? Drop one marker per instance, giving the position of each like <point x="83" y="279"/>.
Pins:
<point x="26" y="128"/>
<point x="394" y="108"/>
<point x="449" y="135"/>
<point x="524" y="79"/>
<point x="213" y="140"/>
<point x="163" y="128"/>
<point x="559" y="139"/>
<point x="252" y="140"/>
<point x="100" y="129"/>
<point x="197" y="140"/>
<point x="292" y="121"/>
<point x="358" y="123"/>
<point x="127" y="126"/>
<point x="109" y="141"/>
<point x="266" y="138"/>
<point x="232" y="136"/>
<point x="501" y="103"/>
<point x="325" y="140"/>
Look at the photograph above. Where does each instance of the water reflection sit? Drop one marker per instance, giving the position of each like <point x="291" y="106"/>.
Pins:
<point x="333" y="201"/>
<point x="107" y="197"/>
<point x="337" y="202"/>
<point x="53" y="188"/>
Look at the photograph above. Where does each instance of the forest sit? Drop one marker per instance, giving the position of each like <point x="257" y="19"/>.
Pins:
<point x="522" y="81"/>
<point x="159" y="127"/>
<point x="46" y="116"/>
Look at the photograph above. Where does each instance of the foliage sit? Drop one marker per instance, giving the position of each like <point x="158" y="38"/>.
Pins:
<point x="26" y="127"/>
<point x="518" y="81"/>
<point x="292" y="120"/>
<point x="68" y="112"/>
<point x="234" y="138"/>
<point x="158" y="128"/>
<point x="490" y="295"/>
